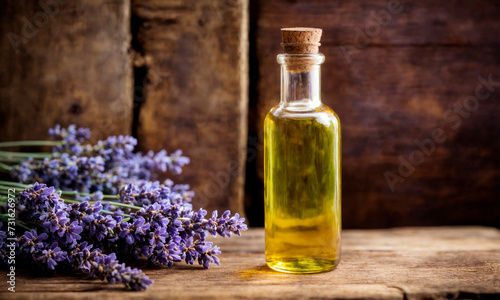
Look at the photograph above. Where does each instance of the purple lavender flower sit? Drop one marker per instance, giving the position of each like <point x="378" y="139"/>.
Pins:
<point x="177" y="161"/>
<point x="207" y="254"/>
<point x="158" y="237"/>
<point x="34" y="203"/>
<point x="114" y="150"/>
<point x="51" y="256"/>
<point x="134" y="232"/>
<point x="98" y="226"/>
<point x="143" y="193"/>
<point x="71" y="133"/>
<point x="77" y="254"/>
<point x="22" y="172"/>
<point x="32" y="242"/>
<point x="167" y="254"/>
<point x="71" y="138"/>
<point x="180" y="190"/>
<point x="71" y="233"/>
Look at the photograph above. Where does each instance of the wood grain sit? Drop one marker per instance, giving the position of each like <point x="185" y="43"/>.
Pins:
<point x="397" y="87"/>
<point x="403" y="263"/>
<point x="71" y="65"/>
<point x="197" y="50"/>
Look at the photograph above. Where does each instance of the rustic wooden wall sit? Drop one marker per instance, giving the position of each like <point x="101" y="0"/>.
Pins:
<point x="64" y="62"/>
<point x="391" y="83"/>
<point x="195" y="53"/>
<point x="396" y="82"/>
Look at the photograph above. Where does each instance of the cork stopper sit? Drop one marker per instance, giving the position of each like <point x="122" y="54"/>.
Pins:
<point x="300" y="40"/>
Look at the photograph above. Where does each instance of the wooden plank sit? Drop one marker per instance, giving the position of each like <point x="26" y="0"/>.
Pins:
<point x="65" y="62"/>
<point x="397" y="89"/>
<point x="402" y="263"/>
<point x="197" y="53"/>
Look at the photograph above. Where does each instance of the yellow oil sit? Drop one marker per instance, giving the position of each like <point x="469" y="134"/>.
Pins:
<point x="302" y="190"/>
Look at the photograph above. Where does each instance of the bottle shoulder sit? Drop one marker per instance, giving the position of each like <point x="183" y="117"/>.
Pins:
<point x="323" y="110"/>
<point x="321" y="115"/>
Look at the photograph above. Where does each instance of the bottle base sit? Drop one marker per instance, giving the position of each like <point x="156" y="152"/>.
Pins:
<point x="302" y="265"/>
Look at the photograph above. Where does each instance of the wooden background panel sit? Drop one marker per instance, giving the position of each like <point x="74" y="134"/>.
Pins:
<point x="197" y="51"/>
<point x="395" y="89"/>
<point x="390" y="84"/>
<point x="409" y="22"/>
<point x="65" y="62"/>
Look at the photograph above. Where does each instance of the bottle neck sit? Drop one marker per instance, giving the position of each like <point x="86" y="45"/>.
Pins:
<point x="300" y="81"/>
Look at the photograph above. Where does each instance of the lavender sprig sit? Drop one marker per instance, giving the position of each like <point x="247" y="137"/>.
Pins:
<point x="105" y="266"/>
<point x="71" y="137"/>
<point x="105" y="166"/>
<point x="39" y="250"/>
<point x="144" y="193"/>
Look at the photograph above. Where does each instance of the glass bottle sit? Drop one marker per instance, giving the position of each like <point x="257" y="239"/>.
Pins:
<point x="302" y="156"/>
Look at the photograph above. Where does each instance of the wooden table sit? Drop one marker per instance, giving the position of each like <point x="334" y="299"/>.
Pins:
<point x="401" y="263"/>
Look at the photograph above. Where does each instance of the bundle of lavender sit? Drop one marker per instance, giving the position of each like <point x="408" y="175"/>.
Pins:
<point x="85" y="207"/>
